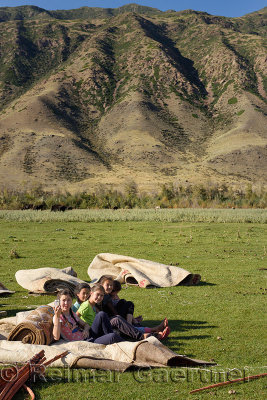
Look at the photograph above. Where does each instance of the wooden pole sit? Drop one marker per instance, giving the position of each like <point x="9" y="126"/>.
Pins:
<point x="246" y="378"/>
<point x="29" y="391"/>
<point x="56" y="358"/>
<point x="9" y="388"/>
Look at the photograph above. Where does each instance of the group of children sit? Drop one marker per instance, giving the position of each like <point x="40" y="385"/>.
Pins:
<point x="100" y="316"/>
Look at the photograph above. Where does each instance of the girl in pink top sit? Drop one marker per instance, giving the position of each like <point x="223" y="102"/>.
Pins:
<point x="66" y="325"/>
<point x="70" y="327"/>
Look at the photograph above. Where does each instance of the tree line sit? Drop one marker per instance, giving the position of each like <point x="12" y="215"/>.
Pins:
<point x="169" y="196"/>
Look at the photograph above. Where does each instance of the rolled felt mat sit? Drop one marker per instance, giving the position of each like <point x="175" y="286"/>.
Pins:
<point x="55" y="285"/>
<point x="36" y="328"/>
<point x="47" y="280"/>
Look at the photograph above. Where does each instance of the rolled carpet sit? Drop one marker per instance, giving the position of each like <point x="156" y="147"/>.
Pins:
<point x="36" y="328"/>
<point x="55" y="285"/>
<point x="135" y="271"/>
<point x="47" y="280"/>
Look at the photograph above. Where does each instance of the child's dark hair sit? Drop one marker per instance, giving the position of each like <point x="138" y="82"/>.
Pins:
<point x="116" y="286"/>
<point x="96" y="287"/>
<point x="105" y="278"/>
<point x="64" y="292"/>
<point x="79" y="287"/>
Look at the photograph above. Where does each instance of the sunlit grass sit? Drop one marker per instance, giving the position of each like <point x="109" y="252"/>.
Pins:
<point x="229" y="304"/>
<point x="164" y="215"/>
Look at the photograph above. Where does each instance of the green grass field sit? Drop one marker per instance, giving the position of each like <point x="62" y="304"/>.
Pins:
<point x="229" y="303"/>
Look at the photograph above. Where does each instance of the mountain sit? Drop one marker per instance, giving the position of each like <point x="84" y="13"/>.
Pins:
<point x="96" y="96"/>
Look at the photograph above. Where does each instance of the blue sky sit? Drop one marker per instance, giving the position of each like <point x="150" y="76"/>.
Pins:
<point x="228" y="8"/>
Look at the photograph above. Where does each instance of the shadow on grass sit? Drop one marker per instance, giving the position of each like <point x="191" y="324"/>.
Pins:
<point x="201" y="283"/>
<point x="185" y="325"/>
<point x="175" y="341"/>
<point x="179" y="338"/>
<point x="14" y="311"/>
<point x="178" y="344"/>
<point x="181" y="325"/>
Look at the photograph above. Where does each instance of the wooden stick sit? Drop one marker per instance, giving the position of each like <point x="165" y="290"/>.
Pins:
<point x="22" y="376"/>
<point x="56" y="358"/>
<point x="29" y="391"/>
<point x="246" y="378"/>
<point x="9" y="388"/>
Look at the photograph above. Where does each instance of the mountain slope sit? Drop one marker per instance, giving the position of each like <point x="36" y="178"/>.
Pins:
<point x="149" y="96"/>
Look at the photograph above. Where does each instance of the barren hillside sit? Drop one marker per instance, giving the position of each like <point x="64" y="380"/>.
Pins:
<point x="103" y="96"/>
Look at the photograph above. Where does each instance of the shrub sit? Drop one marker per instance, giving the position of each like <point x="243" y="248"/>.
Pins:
<point x="233" y="100"/>
<point x="169" y="196"/>
<point x="13" y="254"/>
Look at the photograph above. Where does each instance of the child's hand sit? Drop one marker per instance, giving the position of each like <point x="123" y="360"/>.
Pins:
<point x="58" y="311"/>
<point x="86" y="331"/>
<point x="138" y="319"/>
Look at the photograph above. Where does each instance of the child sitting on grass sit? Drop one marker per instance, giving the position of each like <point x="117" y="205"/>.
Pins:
<point x="82" y="293"/>
<point x="124" y="308"/>
<point x="107" y="305"/>
<point x="89" y="309"/>
<point x="70" y="327"/>
<point x="92" y="307"/>
<point x="112" y="301"/>
<point x="110" y="304"/>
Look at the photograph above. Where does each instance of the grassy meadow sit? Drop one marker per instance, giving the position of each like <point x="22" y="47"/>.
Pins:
<point x="221" y="319"/>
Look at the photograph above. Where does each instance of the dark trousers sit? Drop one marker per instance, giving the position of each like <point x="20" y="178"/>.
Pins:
<point x="125" y="328"/>
<point x="101" y="330"/>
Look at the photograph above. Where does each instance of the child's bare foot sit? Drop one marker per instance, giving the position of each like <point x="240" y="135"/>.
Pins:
<point x="146" y="335"/>
<point x="163" y="335"/>
<point x="161" y="326"/>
